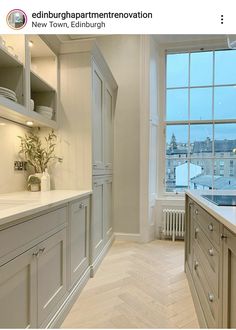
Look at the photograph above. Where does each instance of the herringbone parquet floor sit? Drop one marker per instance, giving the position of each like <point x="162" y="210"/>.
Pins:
<point x="137" y="286"/>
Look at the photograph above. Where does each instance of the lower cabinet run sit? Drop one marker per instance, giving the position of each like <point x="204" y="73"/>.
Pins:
<point x="45" y="261"/>
<point x="210" y="263"/>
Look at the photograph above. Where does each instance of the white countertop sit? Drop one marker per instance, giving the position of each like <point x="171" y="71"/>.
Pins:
<point x="17" y="205"/>
<point x="225" y="214"/>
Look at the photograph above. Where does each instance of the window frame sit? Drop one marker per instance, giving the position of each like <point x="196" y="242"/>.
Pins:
<point x="164" y="123"/>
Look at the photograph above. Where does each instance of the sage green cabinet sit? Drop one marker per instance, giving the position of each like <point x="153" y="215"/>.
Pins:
<point x="229" y="279"/>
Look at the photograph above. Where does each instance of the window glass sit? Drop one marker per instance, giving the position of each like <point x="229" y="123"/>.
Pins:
<point x="225" y="102"/>
<point x="200" y="174"/>
<point x="177" y="70"/>
<point x="201" y="62"/>
<point x="224" y="174"/>
<point x="176" y="175"/>
<point x="177" y="104"/>
<point x="225" y="140"/>
<point x="200" y="103"/>
<point x="225" y="67"/>
<point x="201" y="140"/>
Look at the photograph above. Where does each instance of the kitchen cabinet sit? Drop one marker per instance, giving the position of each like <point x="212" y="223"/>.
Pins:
<point x="79" y="234"/>
<point x="101" y="220"/>
<point x="229" y="279"/>
<point x="211" y="271"/>
<point x="18" y="297"/>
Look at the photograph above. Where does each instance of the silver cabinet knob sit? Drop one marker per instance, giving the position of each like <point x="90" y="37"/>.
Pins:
<point x="210" y="297"/>
<point x="211" y="252"/>
<point x="196" y="232"/>
<point x="223" y="236"/>
<point x="196" y="264"/>
<point x="196" y="211"/>
<point x="210" y="226"/>
<point x="81" y="205"/>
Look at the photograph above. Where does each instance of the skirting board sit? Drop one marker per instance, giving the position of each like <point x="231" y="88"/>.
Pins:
<point x="100" y="257"/>
<point x="127" y="237"/>
<point x="64" y="309"/>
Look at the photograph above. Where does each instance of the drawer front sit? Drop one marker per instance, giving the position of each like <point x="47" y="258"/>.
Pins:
<point x="208" y="299"/>
<point x="208" y="224"/>
<point x="210" y="252"/>
<point x="22" y="234"/>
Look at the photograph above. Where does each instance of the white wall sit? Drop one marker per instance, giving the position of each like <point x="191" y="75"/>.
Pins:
<point x="10" y="180"/>
<point x="122" y="55"/>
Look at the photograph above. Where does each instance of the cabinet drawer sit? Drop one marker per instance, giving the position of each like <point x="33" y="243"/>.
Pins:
<point x="210" y="252"/>
<point x="26" y="232"/>
<point x="208" y="224"/>
<point x="208" y="299"/>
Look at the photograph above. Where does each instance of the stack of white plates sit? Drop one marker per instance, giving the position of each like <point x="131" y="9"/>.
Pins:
<point x="45" y="111"/>
<point x="8" y="93"/>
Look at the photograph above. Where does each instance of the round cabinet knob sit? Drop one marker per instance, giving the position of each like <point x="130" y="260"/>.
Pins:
<point x="196" y="211"/>
<point x="81" y="205"/>
<point x="222" y="236"/>
<point x="196" y="232"/>
<point x="210" y="226"/>
<point x="211" y="297"/>
<point x="211" y="252"/>
<point x="196" y="264"/>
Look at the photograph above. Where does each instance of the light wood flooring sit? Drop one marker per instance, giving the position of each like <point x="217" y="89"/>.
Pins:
<point x="137" y="286"/>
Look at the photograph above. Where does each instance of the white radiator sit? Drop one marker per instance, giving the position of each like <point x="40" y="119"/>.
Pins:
<point x="173" y="223"/>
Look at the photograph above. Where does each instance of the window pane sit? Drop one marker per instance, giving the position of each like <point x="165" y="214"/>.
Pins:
<point x="177" y="70"/>
<point x="225" y="174"/>
<point x="225" y="67"/>
<point x="177" y="104"/>
<point x="177" y="140"/>
<point x="225" y="140"/>
<point x="201" y="140"/>
<point x="200" y="103"/>
<point x="200" y="175"/>
<point x="176" y="174"/>
<point x="225" y="103"/>
<point x="201" y="69"/>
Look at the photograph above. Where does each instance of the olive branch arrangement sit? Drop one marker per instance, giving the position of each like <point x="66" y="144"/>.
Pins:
<point x="36" y="153"/>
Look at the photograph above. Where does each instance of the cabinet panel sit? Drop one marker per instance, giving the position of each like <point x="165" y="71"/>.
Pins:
<point x="18" y="292"/>
<point x="229" y="280"/>
<point x="97" y="217"/>
<point x="98" y="99"/>
<point x="51" y="273"/>
<point x="189" y="232"/>
<point x="79" y="238"/>
<point x="108" y="129"/>
<point x="108" y="209"/>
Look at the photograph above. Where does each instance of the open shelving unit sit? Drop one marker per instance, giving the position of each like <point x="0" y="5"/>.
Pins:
<point x="31" y="72"/>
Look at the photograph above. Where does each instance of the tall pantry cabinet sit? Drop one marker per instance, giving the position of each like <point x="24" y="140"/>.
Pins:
<point x="88" y="96"/>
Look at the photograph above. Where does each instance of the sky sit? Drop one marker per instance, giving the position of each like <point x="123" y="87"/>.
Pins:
<point x="202" y="102"/>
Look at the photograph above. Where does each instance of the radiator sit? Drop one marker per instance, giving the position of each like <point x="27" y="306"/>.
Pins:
<point x="173" y="223"/>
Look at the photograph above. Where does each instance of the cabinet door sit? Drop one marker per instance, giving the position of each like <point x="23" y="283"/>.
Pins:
<point x="18" y="288"/>
<point x="108" y="229"/>
<point x="97" y="223"/>
<point x="51" y="274"/>
<point x="108" y="129"/>
<point x="97" y="118"/>
<point x="189" y="233"/>
<point x="229" y="280"/>
<point x="79" y="220"/>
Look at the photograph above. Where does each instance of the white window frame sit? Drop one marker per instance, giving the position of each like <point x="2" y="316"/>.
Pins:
<point x="163" y="51"/>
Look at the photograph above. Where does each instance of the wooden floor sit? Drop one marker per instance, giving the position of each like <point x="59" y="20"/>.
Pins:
<point x="137" y="286"/>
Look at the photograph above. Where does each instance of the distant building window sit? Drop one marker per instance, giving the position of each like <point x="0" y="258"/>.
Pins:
<point x="200" y="88"/>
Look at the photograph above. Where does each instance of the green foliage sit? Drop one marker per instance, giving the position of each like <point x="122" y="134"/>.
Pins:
<point x="37" y="154"/>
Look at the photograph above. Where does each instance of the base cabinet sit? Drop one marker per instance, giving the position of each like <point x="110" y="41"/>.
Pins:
<point x="78" y="230"/>
<point x="210" y="263"/>
<point x="229" y="280"/>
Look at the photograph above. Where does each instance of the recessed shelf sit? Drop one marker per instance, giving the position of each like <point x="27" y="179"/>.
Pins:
<point x="16" y="112"/>
<point x="7" y="59"/>
<point x="38" y="84"/>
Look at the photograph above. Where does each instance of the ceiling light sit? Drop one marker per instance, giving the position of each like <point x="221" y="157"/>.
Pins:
<point x="31" y="43"/>
<point x="29" y="123"/>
